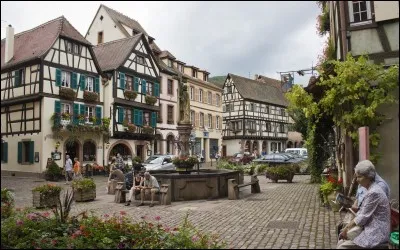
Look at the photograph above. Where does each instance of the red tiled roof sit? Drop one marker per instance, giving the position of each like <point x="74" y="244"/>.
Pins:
<point x="34" y="43"/>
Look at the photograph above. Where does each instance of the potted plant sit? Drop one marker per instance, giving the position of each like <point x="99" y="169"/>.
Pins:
<point x="328" y="190"/>
<point x="80" y="118"/>
<point x="147" y="130"/>
<point x="131" y="128"/>
<point x="185" y="164"/>
<point x="90" y="96"/>
<point x="67" y="93"/>
<point x="84" y="189"/>
<point x="151" y="100"/>
<point x="130" y="94"/>
<point x="53" y="172"/>
<point x="92" y="119"/>
<point x="46" y="195"/>
<point x="284" y="172"/>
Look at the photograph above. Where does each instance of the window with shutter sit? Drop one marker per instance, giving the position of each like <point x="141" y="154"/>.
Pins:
<point x="136" y="84"/>
<point x="74" y="81"/>
<point x="121" y="80"/>
<point x="4" y="152"/>
<point x="98" y="115"/>
<point x="120" y="115"/>
<point x="82" y="80"/>
<point x="153" y="119"/>
<point x="90" y="84"/>
<point x="156" y="89"/>
<point x="26" y="152"/>
<point x="143" y="86"/>
<point x="97" y="85"/>
<point x="140" y="118"/>
<point x="58" y="77"/>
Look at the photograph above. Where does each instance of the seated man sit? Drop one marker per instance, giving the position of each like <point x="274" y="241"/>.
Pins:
<point x="151" y="184"/>
<point x="117" y="175"/>
<point x="136" y="187"/>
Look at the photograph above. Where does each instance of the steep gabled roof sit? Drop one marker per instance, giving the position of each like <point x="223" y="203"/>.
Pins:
<point x="113" y="54"/>
<point x="269" y="81"/>
<point x="258" y="91"/>
<point x="166" y="53"/>
<point x="120" y="18"/>
<point x="165" y="68"/>
<point x="35" y="43"/>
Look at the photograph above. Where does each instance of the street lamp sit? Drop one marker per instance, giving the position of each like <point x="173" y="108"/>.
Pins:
<point x="57" y="145"/>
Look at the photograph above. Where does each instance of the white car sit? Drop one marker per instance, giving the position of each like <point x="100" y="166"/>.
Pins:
<point x="159" y="162"/>
<point x="300" y="151"/>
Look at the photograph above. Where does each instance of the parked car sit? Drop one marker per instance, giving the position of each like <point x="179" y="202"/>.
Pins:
<point x="300" y="151"/>
<point x="241" y="158"/>
<point x="159" y="162"/>
<point x="277" y="159"/>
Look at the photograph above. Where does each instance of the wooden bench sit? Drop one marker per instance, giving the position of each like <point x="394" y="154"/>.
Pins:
<point x="163" y="196"/>
<point x="233" y="187"/>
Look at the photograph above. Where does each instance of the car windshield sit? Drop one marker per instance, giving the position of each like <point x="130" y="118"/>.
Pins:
<point x="154" y="160"/>
<point x="294" y="151"/>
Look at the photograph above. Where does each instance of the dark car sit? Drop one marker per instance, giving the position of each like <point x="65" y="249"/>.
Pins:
<point x="241" y="158"/>
<point x="277" y="159"/>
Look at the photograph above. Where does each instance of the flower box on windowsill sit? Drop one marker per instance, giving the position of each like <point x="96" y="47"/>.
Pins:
<point x="147" y="130"/>
<point x="64" y="123"/>
<point x="89" y="96"/>
<point x="150" y="100"/>
<point x="131" y="128"/>
<point x="130" y="94"/>
<point x="67" y="93"/>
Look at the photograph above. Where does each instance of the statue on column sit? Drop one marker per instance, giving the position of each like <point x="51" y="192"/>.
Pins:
<point x="184" y="105"/>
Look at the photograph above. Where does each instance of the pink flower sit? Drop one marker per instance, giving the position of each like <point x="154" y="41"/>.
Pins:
<point x="53" y="242"/>
<point x="157" y="218"/>
<point x="106" y="215"/>
<point x="167" y="229"/>
<point x="20" y="222"/>
<point x="46" y="214"/>
<point x="78" y="232"/>
<point x="122" y="212"/>
<point x="31" y="216"/>
<point x="195" y="238"/>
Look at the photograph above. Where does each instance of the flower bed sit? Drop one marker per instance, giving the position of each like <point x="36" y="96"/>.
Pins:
<point x="84" y="190"/>
<point x="46" y="195"/>
<point x="31" y="230"/>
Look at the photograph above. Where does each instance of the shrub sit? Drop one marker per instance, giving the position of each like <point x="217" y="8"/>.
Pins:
<point x="33" y="230"/>
<point x="137" y="159"/>
<point x="48" y="189"/>
<point x="224" y="164"/>
<point x="184" y="162"/>
<point x="150" y="100"/>
<point x="279" y="172"/>
<point x="7" y="203"/>
<point x="260" y="169"/>
<point x="53" y="172"/>
<point x="147" y="130"/>
<point x="84" y="184"/>
<point x="249" y="169"/>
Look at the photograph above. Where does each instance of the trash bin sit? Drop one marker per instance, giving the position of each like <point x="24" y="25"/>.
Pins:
<point x="394" y="240"/>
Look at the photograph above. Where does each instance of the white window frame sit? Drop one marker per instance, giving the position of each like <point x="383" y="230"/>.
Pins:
<point x="89" y="84"/>
<point x="191" y="93"/>
<point x="65" y="79"/>
<point x="217" y="122"/>
<point x="170" y="63"/>
<point x="209" y="97"/>
<point x="89" y="112"/>
<point x="76" y="49"/>
<point x="351" y="14"/>
<point x="192" y="117"/>
<point x="209" y="121"/>
<point x="140" y="59"/>
<point x="146" y="118"/>
<point x="217" y="100"/>
<point x="65" y="108"/>
<point x="200" y="95"/>
<point x="201" y="120"/>
<point x="69" y="47"/>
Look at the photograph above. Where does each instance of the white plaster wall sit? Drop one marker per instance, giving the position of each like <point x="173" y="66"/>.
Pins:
<point x="365" y="42"/>
<point x="386" y="10"/>
<point x="392" y="33"/>
<point x="232" y="146"/>
<point x="110" y="30"/>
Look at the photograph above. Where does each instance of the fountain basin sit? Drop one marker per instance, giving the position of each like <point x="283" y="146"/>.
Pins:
<point x="198" y="185"/>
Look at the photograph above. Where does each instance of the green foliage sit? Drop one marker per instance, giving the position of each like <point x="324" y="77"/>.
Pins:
<point x="280" y="172"/>
<point x="323" y="25"/>
<point x="151" y="100"/>
<point x="33" y="230"/>
<point x="224" y="164"/>
<point x="249" y="169"/>
<point x="137" y="159"/>
<point x="185" y="162"/>
<point x="7" y="203"/>
<point x="300" y="121"/>
<point x="53" y="172"/>
<point x="62" y="210"/>
<point x="48" y="189"/>
<point x="84" y="184"/>
<point x="261" y="168"/>
<point x="106" y="122"/>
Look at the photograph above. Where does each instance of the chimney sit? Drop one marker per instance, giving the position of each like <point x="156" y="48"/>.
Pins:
<point x="9" y="49"/>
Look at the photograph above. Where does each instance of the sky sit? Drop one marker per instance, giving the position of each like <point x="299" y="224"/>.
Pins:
<point x="242" y="38"/>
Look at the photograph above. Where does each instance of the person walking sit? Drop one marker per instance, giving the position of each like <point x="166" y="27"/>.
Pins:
<point x="68" y="169"/>
<point x="77" y="169"/>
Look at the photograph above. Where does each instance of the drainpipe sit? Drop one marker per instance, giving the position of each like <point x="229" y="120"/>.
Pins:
<point x="343" y="31"/>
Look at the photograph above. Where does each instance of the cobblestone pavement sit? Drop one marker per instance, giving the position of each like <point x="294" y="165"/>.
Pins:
<point x="283" y="215"/>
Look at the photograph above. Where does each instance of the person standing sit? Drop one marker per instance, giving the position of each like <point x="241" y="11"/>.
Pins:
<point x="68" y="169"/>
<point x="77" y="169"/>
<point x="150" y="184"/>
<point x="120" y="162"/>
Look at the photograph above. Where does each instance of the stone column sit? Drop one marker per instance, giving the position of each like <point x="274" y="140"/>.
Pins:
<point x="363" y="137"/>
<point x="184" y="131"/>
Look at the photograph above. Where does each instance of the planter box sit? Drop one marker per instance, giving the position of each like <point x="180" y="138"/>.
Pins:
<point x="275" y="178"/>
<point x="86" y="195"/>
<point x="40" y="201"/>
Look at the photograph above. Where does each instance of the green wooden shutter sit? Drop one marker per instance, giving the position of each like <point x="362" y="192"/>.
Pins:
<point x="58" y="77"/>
<point x="122" y="80"/>
<point x="76" y="113"/>
<point x="136" y="84"/>
<point x="153" y="119"/>
<point x="17" y="79"/>
<point x="97" y="84"/>
<point x="74" y="81"/>
<point x="31" y="151"/>
<point x="98" y="115"/>
<point x="140" y="117"/>
<point x="135" y="117"/>
<point x="156" y="89"/>
<point x="57" y="109"/>
<point x="143" y="86"/>
<point x="4" y="157"/>
<point x="82" y="80"/>
<point x="120" y="114"/>
<point x="19" y="152"/>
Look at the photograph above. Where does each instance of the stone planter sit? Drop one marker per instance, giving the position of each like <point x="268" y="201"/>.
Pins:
<point x="241" y="178"/>
<point x="41" y="201"/>
<point x="275" y="178"/>
<point x="84" y="195"/>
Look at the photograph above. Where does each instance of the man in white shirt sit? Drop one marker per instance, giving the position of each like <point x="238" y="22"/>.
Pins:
<point x="68" y="169"/>
<point x="150" y="183"/>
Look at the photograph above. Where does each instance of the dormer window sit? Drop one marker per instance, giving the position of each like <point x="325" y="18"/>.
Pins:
<point x="360" y="12"/>
<point x="194" y="73"/>
<point x="205" y="77"/>
<point x="69" y="47"/>
<point x="169" y="63"/>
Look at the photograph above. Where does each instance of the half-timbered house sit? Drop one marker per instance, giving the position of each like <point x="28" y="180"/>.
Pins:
<point x="110" y="25"/>
<point x="51" y="98"/>
<point x="254" y="116"/>
<point x="131" y="94"/>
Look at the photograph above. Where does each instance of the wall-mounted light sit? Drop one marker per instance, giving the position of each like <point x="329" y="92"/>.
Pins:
<point x="107" y="145"/>
<point x="57" y="145"/>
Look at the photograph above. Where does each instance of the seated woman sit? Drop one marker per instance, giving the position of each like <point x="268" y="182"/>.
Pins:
<point x="373" y="214"/>
<point x="137" y="184"/>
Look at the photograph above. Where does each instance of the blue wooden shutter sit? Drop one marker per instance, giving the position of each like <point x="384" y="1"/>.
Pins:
<point x="5" y="152"/>
<point x="153" y="119"/>
<point x="120" y="114"/>
<point x="136" y="84"/>
<point x="98" y="115"/>
<point x="57" y="109"/>
<point x="82" y="82"/>
<point x="74" y="81"/>
<point x="122" y="80"/>
<point x="156" y="89"/>
<point x="135" y="117"/>
<point x="17" y="79"/>
<point x="58" y="77"/>
<point x="82" y="109"/>
<point x="97" y="84"/>
<point x="19" y="152"/>
<point x="76" y="113"/>
<point x="140" y="117"/>
<point x="31" y="151"/>
<point x="143" y="86"/>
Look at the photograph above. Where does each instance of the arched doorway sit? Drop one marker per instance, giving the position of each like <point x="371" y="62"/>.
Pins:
<point x="72" y="148"/>
<point x="121" y="148"/>
<point x="301" y="144"/>
<point x="255" y="147"/>
<point x="295" y="144"/>
<point x="264" y="149"/>
<point x="247" y="146"/>
<point x="289" y="144"/>
<point x="157" y="144"/>
<point x="170" y="144"/>
<point x="89" y="151"/>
